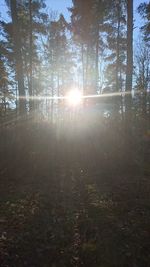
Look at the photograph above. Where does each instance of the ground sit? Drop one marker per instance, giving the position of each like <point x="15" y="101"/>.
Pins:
<point x="75" y="192"/>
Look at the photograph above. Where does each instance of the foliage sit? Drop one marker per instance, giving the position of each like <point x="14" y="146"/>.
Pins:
<point x="144" y="10"/>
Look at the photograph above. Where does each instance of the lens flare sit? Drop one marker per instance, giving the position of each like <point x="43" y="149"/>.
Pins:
<point x="74" y="97"/>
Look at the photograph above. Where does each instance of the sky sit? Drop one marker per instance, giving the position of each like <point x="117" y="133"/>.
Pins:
<point x="61" y="7"/>
<point x="56" y="5"/>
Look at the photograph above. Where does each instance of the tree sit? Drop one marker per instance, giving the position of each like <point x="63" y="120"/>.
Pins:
<point x="6" y="95"/>
<point x="142" y="67"/>
<point x="86" y="21"/>
<point x="58" y="56"/>
<point x="30" y="22"/>
<point x="144" y="10"/>
<point x="116" y="44"/>
<point x="99" y="27"/>
<point x="18" y="55"/>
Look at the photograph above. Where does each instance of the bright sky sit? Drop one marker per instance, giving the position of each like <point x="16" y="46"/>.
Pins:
<point x="56" y="5"/>
<point x="62" y="5"/>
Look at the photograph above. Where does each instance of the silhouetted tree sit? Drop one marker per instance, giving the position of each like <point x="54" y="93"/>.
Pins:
<point x="18" y="54"/>
<point x="116" y="44"/>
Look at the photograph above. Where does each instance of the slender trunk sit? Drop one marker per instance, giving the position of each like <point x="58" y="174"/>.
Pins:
<point x="118" y="48"/>
<point x="30" y="55"/>
<point x="83" y="80"/>
<point x="18" y="56"/>
<point x="52" y="94"/>
<point x="129" y="69"/>
<point x="4" y="103"/>
<point x="87" y="70"/>
<point x="58" y="89"/>
<point x="101" y="74"/>
<point x="97" y="64"/>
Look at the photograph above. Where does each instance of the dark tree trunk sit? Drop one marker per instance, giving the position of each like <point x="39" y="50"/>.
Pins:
<point x="18" y="55"/>
<point x="31" y="55"/>
<point x="129" y="70"/>
<point x="118" y="48"/>
<point x="97" y="63"/>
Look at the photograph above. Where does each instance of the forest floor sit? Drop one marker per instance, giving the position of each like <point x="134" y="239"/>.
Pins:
<point x="75" y="193"/>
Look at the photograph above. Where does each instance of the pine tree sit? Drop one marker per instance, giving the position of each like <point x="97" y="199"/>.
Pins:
<point x="142" y="67"/>
<point x="30" y="23"/>
<point x="6" y="95"/>
<point x="144" y="10"/>
<point x="59" y="56"/>
<point x="18" y="54"/>
<point x="116" y="45"/>
<point x="86" y="23"/>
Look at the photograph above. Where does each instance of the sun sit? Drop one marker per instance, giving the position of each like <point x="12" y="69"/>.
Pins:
<point x="74" y="97"/>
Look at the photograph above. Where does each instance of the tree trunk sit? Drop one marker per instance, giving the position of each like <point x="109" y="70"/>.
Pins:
<point x="118" y="47"/>
<point x="58" y="84"/>
<point x="31" y="55"/>
<point x="97" y="64"/>
<point x="87" y="70"/>
<point x="129" y="69"/>
<point x="18" y="55"/>
<point x="83" y="71"/>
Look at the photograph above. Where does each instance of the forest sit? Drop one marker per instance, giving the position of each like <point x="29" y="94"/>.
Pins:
<point x="74" y="133"/>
